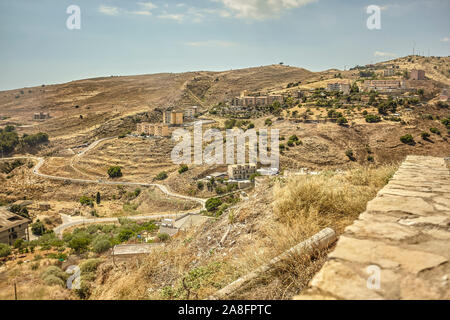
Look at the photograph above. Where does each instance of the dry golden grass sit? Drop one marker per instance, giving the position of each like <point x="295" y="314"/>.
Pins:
<point x="303" y="205"/>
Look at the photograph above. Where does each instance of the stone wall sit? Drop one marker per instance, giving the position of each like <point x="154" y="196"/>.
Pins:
<point x="399" y="248"/>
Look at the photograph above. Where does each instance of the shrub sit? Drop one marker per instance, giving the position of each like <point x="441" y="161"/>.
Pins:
<point x="53" y="281"/>
<point x="161" y="176"/>
<point x="268" y="122"/>
<point x="98" y="198"/>
<point x="442" y="105"/>
<point x="183" y="168"/>
<point x="370" y="158"/>
<point x="54" y="272"/>
<point x="86" y="201"/>
<point x="79" y="243"/>
<point x="101" y="246"/>
<point x="425" y="135"/>
<point x="435" y="131"/>
<point x="341" y="121"/>
<point x="371" y="118"/>
<point x="18" y="243"/>
<point x="115" y="172"/>
<point x="212" y="204"/>
<point x="200" y="185"/>
<point x="407" y="139"/>
<point x="90" y="265"/>
<point x="5" y="250"/>
<point x="163" y="237"/>
<point x="125" y="235"/>
<point x="38" y="228"/>
<point x="350" y="155"/>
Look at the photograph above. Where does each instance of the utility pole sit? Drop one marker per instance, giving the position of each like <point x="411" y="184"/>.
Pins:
<point x="15" y="290"/>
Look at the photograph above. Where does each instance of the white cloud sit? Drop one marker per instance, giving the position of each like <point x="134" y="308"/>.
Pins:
<point x="384" y="54"/>
<point x="177" y="17"/>
<point x="261" y="9"/>
<point x="445" y="39"/>
<point x="212" y="43"/>
<point x="141" y="13"/>
<point x="109" y="11"/>
<point x="147" y="5"/>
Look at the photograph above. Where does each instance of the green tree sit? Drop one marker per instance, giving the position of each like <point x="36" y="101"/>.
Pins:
<point x="212" y="204"/>
<point x="5" y="250"/>
<point x="38" y="228"/>
<point x="183" y="168"/>
<point x="115" y="172"/>
<point x="161" y="176"/>
<point x="407" y="139"/>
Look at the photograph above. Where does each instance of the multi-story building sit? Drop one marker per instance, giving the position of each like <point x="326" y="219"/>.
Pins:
<point x="173" y="117"/>
<point x="272" y="98"/>
<point x="12" y="227"/>
<point x="241" y="171"/>
<point x="417" y="75"/>
<point x="384" y="85"/>
<point x="338" y="87"/>
<point x="249" y="101"/>
<point x="389" y="72"/>
<point x="151" y="129"/>
<point x="191" y="112"/>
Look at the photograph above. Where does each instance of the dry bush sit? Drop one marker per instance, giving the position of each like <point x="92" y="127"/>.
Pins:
<point x="303" y="206"/>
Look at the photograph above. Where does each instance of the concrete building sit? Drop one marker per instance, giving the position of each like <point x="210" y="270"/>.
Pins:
<point x="249" y="101"/>
<point x="384" y="85"/>
<point x="151" y="129"/>
<point x="12" y="227"/>
<point x="191" y="112"/>
<point x="241" y="171"/>
<point x="173" y="118"/>
<point x="389" y="72"/>
<point x="338" y="87"/>
<point x="41" y="116"/>
<point x="417" y="75"/>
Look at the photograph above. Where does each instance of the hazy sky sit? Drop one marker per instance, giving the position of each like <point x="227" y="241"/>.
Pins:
<point x="119" y="37"/>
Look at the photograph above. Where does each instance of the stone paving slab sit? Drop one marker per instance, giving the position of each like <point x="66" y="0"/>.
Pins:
<point x="402" y="240"/>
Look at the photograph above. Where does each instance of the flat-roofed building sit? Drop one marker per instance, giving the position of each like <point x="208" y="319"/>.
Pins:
<point x="261" y="101"/>
<point x="12" y="227"/>
<point x="241" y="171"/>
<point x="173" y="117"/>
<point x="417" y="75"/>
<point x="151" y="129"/>
<point x="384" y="85"/>
<point x="275" y="97"/>
<point x="191" y="112"/>
<point x="389" y="72"/>
<point x="339" y="87"/>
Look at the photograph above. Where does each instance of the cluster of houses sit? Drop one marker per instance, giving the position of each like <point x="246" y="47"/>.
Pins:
<point x="171" y="118"/>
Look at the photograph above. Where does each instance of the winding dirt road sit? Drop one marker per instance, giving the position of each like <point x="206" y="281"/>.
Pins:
<point x="70" y="222"/>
